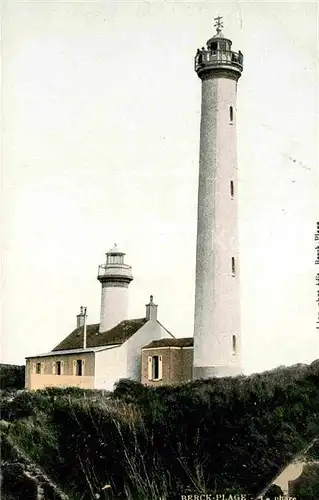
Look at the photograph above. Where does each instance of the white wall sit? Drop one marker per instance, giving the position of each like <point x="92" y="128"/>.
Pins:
<point x="125" y="361"/>
<point x="110" y="366"/>
<point x="152" y="330"/>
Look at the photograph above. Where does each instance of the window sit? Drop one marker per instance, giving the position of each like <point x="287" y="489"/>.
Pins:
<point x="79" y="371"/>
<point x="234" y="344"/>
<point x="232" y="189"/>
<point x="115" y="259"/>
<point x="38" y="368"/>
<point x="58" y="368"/>
<point x="233" y="266"/>
<point x="155" y="367"/>
<point x="231" y="114"/>
<point x="222" y="45"/>
<point x="214" y="46"/>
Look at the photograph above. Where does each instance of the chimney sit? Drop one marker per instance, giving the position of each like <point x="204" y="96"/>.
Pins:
<point x="80" y="318"/>
<point x="84" y="329"/>
<point x="151" y="310"/>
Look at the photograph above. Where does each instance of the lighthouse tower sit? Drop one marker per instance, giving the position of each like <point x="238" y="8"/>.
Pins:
<point x="115" y="277"/>
<point x="217" y="342"/>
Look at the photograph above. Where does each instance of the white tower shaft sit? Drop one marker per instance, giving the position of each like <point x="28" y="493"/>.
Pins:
<point x="114" y="304"/>
<point x="217" y="342"/>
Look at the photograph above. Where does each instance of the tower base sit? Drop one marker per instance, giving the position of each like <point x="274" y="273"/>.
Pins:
<point x="216" y="371"/>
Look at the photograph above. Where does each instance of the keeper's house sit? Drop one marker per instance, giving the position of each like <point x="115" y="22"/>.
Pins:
<point x="96" y="356"/>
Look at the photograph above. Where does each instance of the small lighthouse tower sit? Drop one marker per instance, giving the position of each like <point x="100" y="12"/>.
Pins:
<point x="115" y="277"/>
<point x="217" y="297"/>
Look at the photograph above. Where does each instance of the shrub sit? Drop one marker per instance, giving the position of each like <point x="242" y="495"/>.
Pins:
<point x="274" y="492"/>
<point x="12" y="376"/>
<point x="307" y="486"/>
<point x="204" y="436"/>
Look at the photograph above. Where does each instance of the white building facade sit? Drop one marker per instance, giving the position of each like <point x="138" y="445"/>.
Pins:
<point x="124" y="361"/>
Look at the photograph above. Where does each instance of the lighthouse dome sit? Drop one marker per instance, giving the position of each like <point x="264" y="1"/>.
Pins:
<point x="115" y="250"/>
<point x="219" y="34"/>
<point x="219" y="42"/>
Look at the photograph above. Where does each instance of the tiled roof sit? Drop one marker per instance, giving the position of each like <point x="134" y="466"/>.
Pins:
<point x="184" y="342"/>
<point x="117" y="335"/>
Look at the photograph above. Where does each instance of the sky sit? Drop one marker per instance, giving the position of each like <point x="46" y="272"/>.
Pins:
<point x="100" y="144"/>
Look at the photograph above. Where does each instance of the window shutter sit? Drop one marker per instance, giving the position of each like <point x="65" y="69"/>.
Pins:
<point x="150" y="368"/>
<point x="34" y="367"/>
<point x="83" y="366"/>
<point x="54" y="368"/>
<point x="41" y="368"/>
<point x="160" y="368"/>
<point x="62" y="366"/>
<point x="74" y="367"/>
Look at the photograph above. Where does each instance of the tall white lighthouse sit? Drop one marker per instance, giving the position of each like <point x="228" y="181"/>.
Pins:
<point x="217" y="342"/>
<point x="115" y="277"/>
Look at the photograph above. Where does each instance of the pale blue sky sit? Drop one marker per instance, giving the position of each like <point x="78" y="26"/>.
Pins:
<point x="101" y="109"/>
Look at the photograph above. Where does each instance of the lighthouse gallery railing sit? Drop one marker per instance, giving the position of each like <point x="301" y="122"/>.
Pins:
<point x="218" y="57"/>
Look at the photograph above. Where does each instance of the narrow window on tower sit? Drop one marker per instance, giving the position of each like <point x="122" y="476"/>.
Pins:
<point x="231" y="114"/>
<point x="233" y="266"/>
<point x="232" y="189"/>
<point x="234" y="344"/>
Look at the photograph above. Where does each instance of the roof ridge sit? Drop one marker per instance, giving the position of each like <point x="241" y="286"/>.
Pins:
<point x="171" y="342"/>
<point x="166" y="329"/>
<point x="116" y="335"/>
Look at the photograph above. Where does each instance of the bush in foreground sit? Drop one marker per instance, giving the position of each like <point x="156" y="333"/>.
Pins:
<point x="219" y="435"/>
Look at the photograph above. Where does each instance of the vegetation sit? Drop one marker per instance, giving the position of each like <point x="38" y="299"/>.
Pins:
<point x="229" y="435"/>
<point x="307" y="487"/>
<point x="274" y="492"/>
<point x="11" y="377"/>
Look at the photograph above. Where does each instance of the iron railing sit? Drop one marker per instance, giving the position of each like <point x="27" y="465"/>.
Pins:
<point x="211" y="58"/>
<point x="114" y="269"/>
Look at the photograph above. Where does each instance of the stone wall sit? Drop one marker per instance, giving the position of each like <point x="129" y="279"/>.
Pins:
<point x="176" y="365"/>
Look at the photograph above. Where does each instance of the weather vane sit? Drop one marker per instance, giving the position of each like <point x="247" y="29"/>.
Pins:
<point x="218" y="24"/>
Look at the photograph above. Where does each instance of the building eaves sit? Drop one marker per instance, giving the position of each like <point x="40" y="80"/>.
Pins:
<point x="74" y="351"/>
<point x="170" y="342"/>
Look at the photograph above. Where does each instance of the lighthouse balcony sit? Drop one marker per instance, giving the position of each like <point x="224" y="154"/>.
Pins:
<point x="110" y="270"/>
<point x="208" y="59"/>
